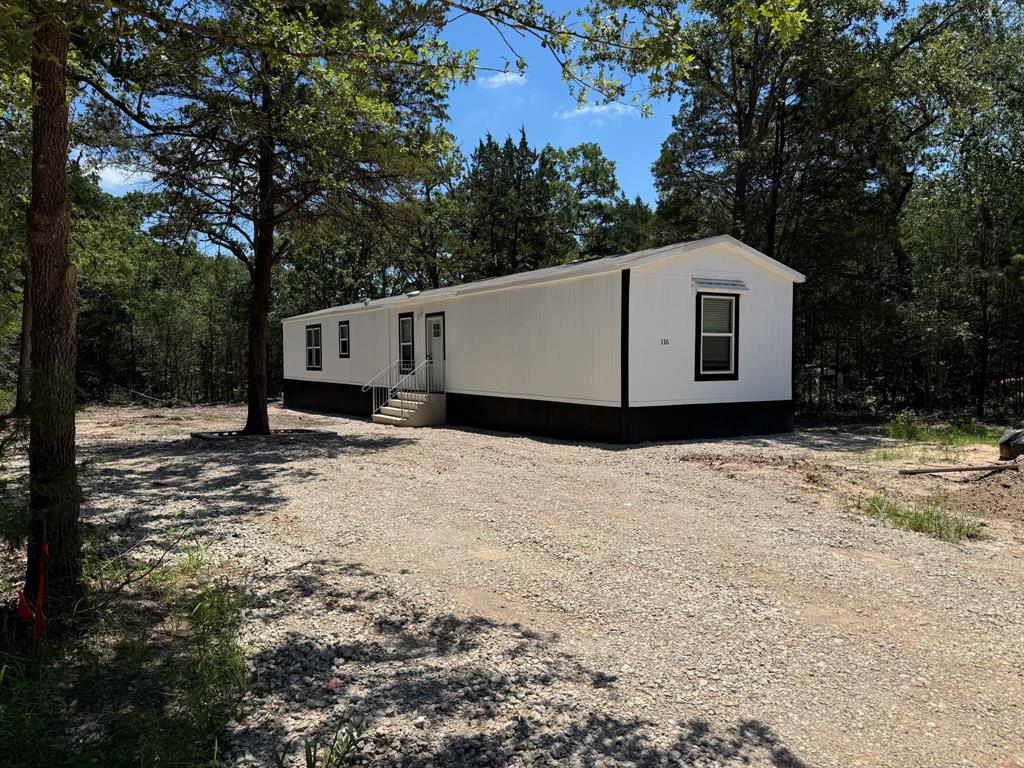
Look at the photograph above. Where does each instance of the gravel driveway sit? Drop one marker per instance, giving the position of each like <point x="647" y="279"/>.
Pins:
<point x="483" y="599"/>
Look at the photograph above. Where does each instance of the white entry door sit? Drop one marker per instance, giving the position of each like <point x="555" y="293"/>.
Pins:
<point x="435" y="350"/>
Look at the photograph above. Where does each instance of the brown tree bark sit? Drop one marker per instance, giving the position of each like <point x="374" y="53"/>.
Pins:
<point x="53" y="482"/>
<point x="257" y="420"/>
<point x="25" y="352"/>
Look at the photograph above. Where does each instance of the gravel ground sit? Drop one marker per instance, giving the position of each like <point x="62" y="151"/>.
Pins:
<point x="483" y="599"/>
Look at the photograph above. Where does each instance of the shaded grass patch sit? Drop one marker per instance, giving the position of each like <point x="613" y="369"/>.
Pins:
<point x="150" y="677"/>
<point x="927" y="518"/>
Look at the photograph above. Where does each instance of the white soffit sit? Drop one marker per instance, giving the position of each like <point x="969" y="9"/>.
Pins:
<point x="714" y="284"/>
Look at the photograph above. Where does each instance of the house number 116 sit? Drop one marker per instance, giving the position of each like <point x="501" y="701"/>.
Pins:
<point x="664" y="342"/>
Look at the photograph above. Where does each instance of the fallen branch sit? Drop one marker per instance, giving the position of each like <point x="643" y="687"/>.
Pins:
<point x="143" y="394"/>
<point x="982" y="468"/>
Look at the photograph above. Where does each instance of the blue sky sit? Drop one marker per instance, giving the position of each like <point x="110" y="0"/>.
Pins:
<point x="540" y="102"/>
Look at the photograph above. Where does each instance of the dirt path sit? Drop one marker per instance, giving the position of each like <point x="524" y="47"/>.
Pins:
<point x="489" y="600"/>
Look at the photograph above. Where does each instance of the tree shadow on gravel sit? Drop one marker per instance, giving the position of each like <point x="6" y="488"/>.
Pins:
<point x="440" y="689"/>
<point x="152" y="485"/>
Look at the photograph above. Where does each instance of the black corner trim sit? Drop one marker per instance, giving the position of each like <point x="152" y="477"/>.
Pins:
<point x="735" y="373"/>
<point x="624" y="341"/>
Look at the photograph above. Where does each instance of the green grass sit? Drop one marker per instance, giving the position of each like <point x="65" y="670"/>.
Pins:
<point x="919" y="454"/>
<point x="961" y="431"/>
<point x="340" y="751"/>
<point x="929" y="518"/>
<point x="150" y="678"/>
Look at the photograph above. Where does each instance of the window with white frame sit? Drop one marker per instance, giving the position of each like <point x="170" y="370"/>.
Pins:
<point x="717" y="323"/>
<point x="343" y="340"/>
<point x="314" y="360"/>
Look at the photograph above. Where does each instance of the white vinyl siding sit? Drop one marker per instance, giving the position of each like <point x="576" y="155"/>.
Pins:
<point x="664" y="306"/>
<point x="560" y="340"/>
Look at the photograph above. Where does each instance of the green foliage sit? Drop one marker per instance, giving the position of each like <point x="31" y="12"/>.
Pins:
<point x="13" y="512"/>
<point x="518" y="208"/>
<point x="959" y="431"/>
<point x="556" y="206"/>
<point x="14" y="173"/>
<point x="507" y="220"/>
<point x="14" y="520"/>
<point x="928" y="518"/>
<point x="917" y="453"/>
<point x="340" y="751"/>
<point x="905" y="426"/>
<point x="875" y="152"/>
<point x="150" y="680"/>
<point x="155" y="321"/>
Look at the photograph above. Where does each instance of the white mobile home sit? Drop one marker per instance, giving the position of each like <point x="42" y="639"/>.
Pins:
<point x="688" y="340"/>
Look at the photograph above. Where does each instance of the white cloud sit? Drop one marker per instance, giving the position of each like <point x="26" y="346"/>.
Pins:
<point x="598" y="113"/>
<point x="116" y="179"/>
<point x="502" y="80"/>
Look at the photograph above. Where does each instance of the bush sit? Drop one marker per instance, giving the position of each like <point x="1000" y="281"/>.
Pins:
<point x="904" y="426"/>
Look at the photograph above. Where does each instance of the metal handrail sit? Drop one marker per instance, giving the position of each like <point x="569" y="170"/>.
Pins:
<point x="384" y="373"/>
<point x="401" y="386"/>
<point x="424" y="379"/>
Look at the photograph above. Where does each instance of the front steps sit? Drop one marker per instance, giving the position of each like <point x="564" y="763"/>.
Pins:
<point x="412" y="409"/>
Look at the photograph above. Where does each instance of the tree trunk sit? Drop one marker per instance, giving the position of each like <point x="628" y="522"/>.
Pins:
<point x="772" y="215"/>
<point x="25" y="353"/>
<point x="258" y="422"/>
<point x="53" y="483"/>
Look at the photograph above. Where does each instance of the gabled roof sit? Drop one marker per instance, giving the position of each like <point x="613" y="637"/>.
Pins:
<point x="570" y="270"/>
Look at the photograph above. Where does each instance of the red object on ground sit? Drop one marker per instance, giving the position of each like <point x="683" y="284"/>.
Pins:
<point x="24" y="612"/>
